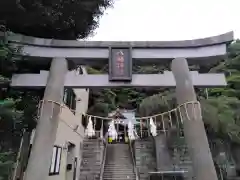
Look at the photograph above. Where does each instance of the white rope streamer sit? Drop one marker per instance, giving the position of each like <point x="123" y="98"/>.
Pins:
<point x="112" y="131"/>
<point x="131" y="131"/>
<point x="90" y="132"/>
<point x="153" y="127"/>
<point x="181" y="114"/>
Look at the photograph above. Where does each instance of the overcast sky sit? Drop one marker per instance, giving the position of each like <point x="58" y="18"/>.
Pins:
<point x="154" y="20"/>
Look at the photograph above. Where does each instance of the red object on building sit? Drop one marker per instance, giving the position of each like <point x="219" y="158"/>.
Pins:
<point x="120" y="63"/>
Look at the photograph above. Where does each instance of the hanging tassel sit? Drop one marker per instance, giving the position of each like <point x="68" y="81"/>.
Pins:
<point x="112" y="131"/>
<point x="131" y="135"/>
<point x="90" y="130"/>
<point x="153" y="128"/>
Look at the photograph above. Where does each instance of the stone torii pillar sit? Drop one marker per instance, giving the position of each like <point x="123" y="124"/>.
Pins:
<point x="41" y="153"/>
<point x="194" y="131"/>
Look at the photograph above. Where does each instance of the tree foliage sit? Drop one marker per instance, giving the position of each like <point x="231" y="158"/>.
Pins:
<point x="6" y="162"/>
<point x="58" y="19"/>
<point x="17" y="110"/>
<point x="221" y="109"/>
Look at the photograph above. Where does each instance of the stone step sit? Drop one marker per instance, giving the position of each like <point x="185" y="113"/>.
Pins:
<point x="145" y="153"/>
<point x="128" y="169"/>
<point x="112" y="178"/>
<point x="119" y="164"/>
<point x="92" y="173"/>
<point x="91" y="150"/>
<point x="115" y="161"/>
<point x="117" y="155"/>
<point x="127" y="176"/>
<point x="93" y="160"/>
<point x="92" y="145"/>
<point x="119" y="176"/>
<point x="86" y="159"/>
<point x="93" y="142"/>
<point x="95" y="146"/>
<point x="119" y="167"/>
<point x="116" y="164"/>
<point x="89" y="177"/>
<point x="122" y="172"/>
<point x="92" y="156"/>
<point x="91" y="164"/>
<point x="144" y="150"/>
<point x="119" y="170"/>
<point x="90" y="168"/>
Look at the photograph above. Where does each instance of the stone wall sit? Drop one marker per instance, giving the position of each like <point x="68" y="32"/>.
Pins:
<point x="91" y="159"/>
<point x="163" y="156"/>
<point x="181" y="158"/>
<point x="145" y="157"/>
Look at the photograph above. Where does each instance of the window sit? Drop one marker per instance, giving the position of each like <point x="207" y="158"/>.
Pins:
<point x="69" y="98"/>
<point x="56" y="160"/>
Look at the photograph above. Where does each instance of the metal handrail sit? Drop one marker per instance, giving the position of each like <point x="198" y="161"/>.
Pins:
<point x="133" y="161"/>
<point x="105" y="141"/>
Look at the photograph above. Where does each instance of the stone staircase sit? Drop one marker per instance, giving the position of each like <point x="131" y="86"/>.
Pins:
<point x="145" y="157"/>
<point x="118" y="164"/>
<point x="91" y="159"/>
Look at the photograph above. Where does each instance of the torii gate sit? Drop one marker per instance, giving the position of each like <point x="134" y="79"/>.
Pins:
<point x="120" y="56"/>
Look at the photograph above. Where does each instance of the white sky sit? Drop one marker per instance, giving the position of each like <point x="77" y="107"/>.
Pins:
<point x="155" y="20"/>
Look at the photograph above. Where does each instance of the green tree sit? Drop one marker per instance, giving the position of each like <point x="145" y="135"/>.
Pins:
<point x="68" y="20"/>
<point x="231" y="67"/>
<point x="17" y="109"/>
<point x="52" y="18"/>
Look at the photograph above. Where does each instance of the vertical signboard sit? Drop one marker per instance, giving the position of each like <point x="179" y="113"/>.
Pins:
<point x="120" y="64"/>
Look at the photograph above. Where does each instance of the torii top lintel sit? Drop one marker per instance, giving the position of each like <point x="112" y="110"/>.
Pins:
<point x="196" y="51"/>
